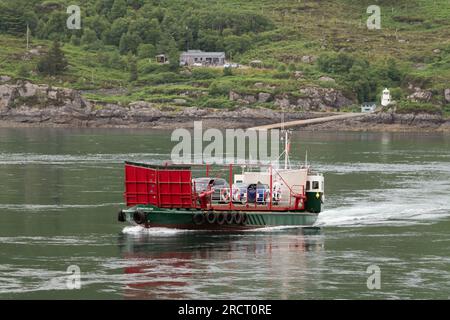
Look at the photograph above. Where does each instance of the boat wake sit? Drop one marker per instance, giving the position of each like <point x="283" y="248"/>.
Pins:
<point x="272" y="229"/>
<point x="409" y="205"/>
<point x="382" y="214"/>
<point x="138" y="230"/>
<point x="412" y="193"/>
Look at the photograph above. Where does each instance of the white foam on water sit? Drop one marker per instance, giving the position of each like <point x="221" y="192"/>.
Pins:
<point x="272" y="229"/>
<point x="409" y="203"/>
<point x="385" y="213"/>
<point x="138" y="230"/>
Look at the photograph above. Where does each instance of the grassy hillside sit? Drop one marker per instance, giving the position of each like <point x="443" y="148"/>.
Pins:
<point x="317" y="38"/>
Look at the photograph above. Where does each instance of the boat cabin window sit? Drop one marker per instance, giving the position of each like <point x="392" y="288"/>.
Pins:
<point x="315" y="185"/>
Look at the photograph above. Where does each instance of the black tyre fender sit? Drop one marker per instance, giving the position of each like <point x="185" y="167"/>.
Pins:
<point x="244" y="219"/>
<point x="220" y="218"/>
<point x="238" y="218"/>
<point x="139" y="217"/>
<point x="229" y="218"/>
<point x="198" y="218"/>
<point x="121" y="216"/>
<point x="211" y="217"/>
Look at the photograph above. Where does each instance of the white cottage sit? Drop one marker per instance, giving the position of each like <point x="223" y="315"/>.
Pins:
<point x="192" y="57"/>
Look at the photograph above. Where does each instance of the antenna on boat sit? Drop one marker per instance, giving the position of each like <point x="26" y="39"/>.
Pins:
<point x="287" y="144"/>
<point x="306" y="159"/>
<point x="286" y="152"/>
<point x="287" y="149"/>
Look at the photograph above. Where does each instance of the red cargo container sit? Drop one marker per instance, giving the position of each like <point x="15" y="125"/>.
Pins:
<point x="163" y="186"/>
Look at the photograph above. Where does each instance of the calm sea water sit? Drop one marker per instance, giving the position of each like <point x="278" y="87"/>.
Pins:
<point x="387" y="204"/>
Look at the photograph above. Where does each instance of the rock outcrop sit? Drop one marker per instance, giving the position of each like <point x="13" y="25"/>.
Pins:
<point x="306" y="99"/>
<point x="32" y="95"/>
<point x="447" y="95"/>
<point x="420" y="95"/>
<point x="27" y="103"/>
<point x="4" y="79"/>
<point x="326" y="79"/>
<point x="322" y="99"/>
<point x="42" y="105"/>
<point x="264" y="97"/>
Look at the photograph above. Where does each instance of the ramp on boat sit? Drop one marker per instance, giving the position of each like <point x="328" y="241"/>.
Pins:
<point x="309" y="121"/>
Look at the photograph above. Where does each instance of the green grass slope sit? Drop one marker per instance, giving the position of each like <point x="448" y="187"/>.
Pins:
<point x="412" y="48"/>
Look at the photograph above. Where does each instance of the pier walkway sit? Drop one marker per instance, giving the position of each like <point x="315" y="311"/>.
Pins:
<point x="340" y="116"/>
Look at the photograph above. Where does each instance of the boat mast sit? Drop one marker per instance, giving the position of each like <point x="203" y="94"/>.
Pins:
<point x="306" y="159"/>
<point x="287" y="144"/>
<point x="287" y="147"/>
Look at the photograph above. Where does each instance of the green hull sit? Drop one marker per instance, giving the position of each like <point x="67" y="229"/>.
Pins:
<point x="150" y="216"/>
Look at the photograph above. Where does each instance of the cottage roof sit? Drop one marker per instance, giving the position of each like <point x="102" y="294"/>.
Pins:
<point x="199" y="53"/>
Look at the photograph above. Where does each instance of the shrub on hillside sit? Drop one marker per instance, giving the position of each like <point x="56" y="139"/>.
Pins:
<point x="218" y="88"/>
<point x="161" y="78"/>
<point x="335" y="63"/>
<point x="146" y="51"/>
<point x="149" y="68"/>
<point x="54" y="62"/>
<point x="216" y="103"/>
<point x="415" y="107"/>
<point x="204" y="73"/>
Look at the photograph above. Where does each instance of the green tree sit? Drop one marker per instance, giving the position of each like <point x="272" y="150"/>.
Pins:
<point x="54" y="62"/>
<point x="332" y="63"/>
<point x="89" y="36"/>
<point x="118" y="10"/>
<point x="129" y="42"/>
<point x="115" y="61"/>
<point x="210" y="40"/>
<point x="103" y="7"/>
<point x="136" y="4"/>
<point x="114" y="34"/>
<point x="393" y="72"/>
<point x="23" y="71"/>
<point x="153" y="32"/>
<point x="74" y="40"/>
<point x="168" y="46"/>
<point x="227" y="71"/>
<point x="237" y="44"/>
<point x="148" y="30"/>
<point x="97" y="23"/>
<point x="15" y="15"/>
<point x="146" y="51"/>
<point x="55" y="27"/>
<point x="132" y="63"/>
<point x="362" y="81"/>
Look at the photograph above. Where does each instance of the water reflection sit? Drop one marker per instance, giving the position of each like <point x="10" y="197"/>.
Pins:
<point x="219" y="265"/>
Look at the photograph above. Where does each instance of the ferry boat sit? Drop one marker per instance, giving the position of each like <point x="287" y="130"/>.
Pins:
<point x="193" y="197"/>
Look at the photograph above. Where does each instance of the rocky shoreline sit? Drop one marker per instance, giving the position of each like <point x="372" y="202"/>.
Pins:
<point x="30" y="105"/>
